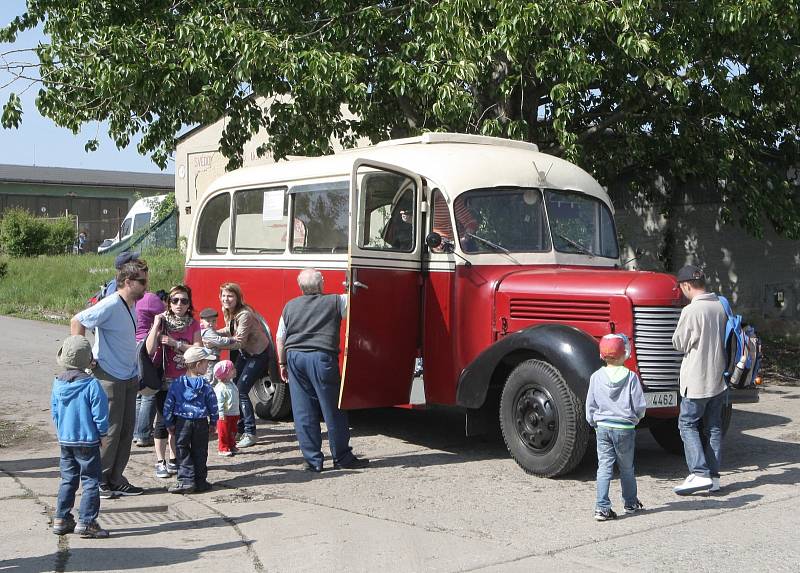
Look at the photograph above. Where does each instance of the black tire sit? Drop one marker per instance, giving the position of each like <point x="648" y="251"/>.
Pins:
<point x="271" y="400"/>
<point x="542" y="420"/>
<point x="668" y="436"/>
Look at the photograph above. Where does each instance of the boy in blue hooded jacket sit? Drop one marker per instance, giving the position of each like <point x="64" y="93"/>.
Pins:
<point x="190" y="405"/>
<point x="80" y="413"/>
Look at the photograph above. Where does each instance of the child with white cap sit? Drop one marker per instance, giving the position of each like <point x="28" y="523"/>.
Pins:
<point x="80" y="413"/>
<point x="190" y="412"/>
<point x="614" y="405"/>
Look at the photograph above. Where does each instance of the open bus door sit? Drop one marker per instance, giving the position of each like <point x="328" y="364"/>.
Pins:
<point x="383" y="284"/>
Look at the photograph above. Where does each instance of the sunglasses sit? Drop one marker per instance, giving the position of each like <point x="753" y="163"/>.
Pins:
<point x="179" y="300"/>
<point x="140" y="280"/>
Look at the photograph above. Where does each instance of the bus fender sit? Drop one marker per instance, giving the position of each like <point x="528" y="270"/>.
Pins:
<point x="573" y="352"/>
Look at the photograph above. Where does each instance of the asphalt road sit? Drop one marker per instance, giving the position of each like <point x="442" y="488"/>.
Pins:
<point x="433" y="500"/>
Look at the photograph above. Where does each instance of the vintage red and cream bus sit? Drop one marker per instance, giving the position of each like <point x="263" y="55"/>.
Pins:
<point x="481" y="274"/>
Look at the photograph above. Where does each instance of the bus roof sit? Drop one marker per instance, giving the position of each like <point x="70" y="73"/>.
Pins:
<point x="455" y="162"/>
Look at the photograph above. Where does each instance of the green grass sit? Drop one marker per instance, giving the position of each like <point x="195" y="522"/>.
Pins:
<point x="54" y="288"/>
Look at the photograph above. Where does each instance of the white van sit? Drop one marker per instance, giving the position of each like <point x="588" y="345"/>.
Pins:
<point x="137" y="219"/>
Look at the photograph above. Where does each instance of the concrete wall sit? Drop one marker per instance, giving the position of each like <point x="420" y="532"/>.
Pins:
<point x="761" y="277"/>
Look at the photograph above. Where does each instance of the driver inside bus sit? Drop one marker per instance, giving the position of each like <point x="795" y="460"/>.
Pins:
<point x="399" y="233"/>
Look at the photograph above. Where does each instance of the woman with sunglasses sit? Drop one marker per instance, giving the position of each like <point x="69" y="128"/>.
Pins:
<point x="247" y="333"/>
<point x="173" y="332"/>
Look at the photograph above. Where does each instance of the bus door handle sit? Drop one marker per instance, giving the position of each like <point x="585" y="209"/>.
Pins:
<point x="355" y="282"/>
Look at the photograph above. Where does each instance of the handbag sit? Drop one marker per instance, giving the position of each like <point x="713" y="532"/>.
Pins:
<point x="150" y="379"/>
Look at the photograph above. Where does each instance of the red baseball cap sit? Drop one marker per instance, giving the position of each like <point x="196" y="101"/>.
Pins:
<point x="612" y="346"/>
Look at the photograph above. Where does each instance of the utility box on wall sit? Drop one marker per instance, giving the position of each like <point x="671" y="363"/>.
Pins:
<point x="782" y="300"/>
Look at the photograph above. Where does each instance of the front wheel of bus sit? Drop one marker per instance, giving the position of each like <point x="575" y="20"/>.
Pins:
<point x="542" y="420"/>
<point x="270" y="396"/>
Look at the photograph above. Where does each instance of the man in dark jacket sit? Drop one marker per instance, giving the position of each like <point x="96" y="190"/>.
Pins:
<point x="308" y="356"/>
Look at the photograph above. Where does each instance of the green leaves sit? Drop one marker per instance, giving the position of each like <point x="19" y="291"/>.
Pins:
<point x="12" y="112"/>
<point x="631" y="87"/>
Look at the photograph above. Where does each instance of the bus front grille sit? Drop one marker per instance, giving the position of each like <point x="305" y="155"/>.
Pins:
<point x="659" y="363"/>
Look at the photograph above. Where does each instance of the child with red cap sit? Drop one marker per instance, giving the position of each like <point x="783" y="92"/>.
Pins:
<point x="614" y="405"/>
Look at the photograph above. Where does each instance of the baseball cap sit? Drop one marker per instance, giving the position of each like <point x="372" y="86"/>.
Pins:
<point x="690" y="273"/>
<point x="75" y="353"/>
<point x="208" y="312"/>
<point x="125" y="257"/>
<point x="613" y="346"/>
<point x="198" y="353"/>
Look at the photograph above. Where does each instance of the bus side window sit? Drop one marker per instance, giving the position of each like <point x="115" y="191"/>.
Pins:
<point x="321" y="213"/>
<point x="259" y="221"/>
<point x="213" y="229"/>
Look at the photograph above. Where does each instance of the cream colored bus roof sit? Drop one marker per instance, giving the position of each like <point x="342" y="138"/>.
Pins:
<point x="457" y="162"/>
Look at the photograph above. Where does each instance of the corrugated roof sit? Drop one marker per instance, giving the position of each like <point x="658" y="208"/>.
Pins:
<point x="91" y="177"/>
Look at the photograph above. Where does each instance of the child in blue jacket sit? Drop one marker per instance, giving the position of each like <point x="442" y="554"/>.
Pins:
<point x="190" y="405"/>
<point x="80" y="413"/>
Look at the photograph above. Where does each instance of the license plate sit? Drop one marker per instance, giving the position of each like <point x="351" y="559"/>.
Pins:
<point x="661" y="399"/>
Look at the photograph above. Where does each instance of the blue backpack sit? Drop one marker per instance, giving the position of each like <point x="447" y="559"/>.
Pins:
<point x="742" y="348"/>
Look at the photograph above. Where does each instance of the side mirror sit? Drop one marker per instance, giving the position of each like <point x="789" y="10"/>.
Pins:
<point x="436" y="241"/>
<point x="433" y="240"/>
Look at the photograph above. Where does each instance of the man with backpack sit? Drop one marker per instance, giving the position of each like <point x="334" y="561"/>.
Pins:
<point x="700" y="335"/>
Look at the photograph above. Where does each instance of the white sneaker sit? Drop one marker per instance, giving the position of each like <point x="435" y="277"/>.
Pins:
<point x="715" y="486"/>
<point x="693" y="484"/>
<point x="246" y="441"/>
<point x="225" y="454"/>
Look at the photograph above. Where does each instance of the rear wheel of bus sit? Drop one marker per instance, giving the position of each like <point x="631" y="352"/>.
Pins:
<point x="542" y="420"/>
<point x="270" y="396"/>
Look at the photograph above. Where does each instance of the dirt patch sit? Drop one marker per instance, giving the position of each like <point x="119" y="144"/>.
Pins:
<point x="13" y="434"/>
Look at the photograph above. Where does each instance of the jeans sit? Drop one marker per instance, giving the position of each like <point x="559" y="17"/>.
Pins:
<point x="250" y="369"/>
<point x="191" y="442"/>
<point x="703" y="452"/>
<point x="615" y="445"/>
<point x="145" y="413"/>
<point x="159" y="429"/>
<point x="82" y="464"/>
<point x="314" y="387"/>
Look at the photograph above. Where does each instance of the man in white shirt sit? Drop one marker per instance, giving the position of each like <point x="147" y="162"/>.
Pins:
<point x="700" y="335"/>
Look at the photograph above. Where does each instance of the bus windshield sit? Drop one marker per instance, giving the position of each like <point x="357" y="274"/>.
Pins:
<point x="581" y="224"/>
<point x="515" y="220"/>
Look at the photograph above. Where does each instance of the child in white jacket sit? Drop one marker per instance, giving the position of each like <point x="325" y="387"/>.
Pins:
<point x="228" y="402"/>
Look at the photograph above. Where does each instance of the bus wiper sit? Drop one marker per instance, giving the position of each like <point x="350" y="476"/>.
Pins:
<point x="495" y="246"/>
<point x="576" y="244"/>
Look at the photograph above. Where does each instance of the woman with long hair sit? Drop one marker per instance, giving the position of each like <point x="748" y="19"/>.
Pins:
<point x="173" y="332"/>
<point x="246" y="332"/>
